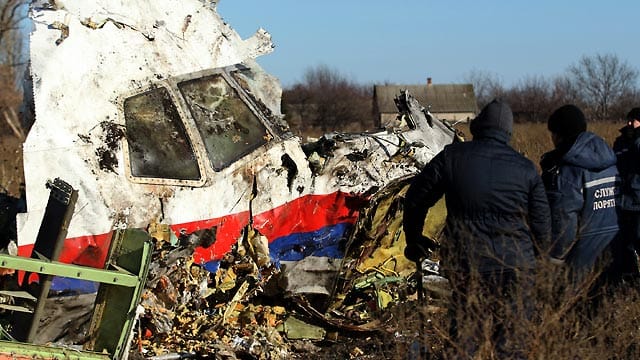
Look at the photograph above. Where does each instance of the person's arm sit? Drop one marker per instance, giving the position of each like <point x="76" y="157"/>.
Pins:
<point x="635" y="156"/>
<point x="425" y="190"/>
<point x="566" y="204"/>
<point x="539" y="216"/>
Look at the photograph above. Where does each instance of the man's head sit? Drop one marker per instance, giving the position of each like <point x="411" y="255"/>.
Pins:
<point x="566" y="123"/>
<point x="495" y="115"/>
<point x="633" y="117"/>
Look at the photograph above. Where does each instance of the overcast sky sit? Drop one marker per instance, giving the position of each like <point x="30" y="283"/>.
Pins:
<point x="406" y="41"/>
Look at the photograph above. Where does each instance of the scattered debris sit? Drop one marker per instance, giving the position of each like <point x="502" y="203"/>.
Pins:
<point x="262" y="244"/>
<point x="298" y="329"/>
<point x="239" y="310"/>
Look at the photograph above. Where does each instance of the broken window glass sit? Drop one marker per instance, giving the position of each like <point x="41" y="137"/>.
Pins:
<point x="158" y="144"/>
<point x="228" y="127"/>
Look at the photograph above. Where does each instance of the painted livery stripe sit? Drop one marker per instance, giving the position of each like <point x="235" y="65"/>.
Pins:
<point x="322" y="242"/>
<point x="306" y="214"/>
<point x="293" y="247"/>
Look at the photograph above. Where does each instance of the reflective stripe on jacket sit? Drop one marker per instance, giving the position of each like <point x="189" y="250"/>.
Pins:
<point x="583" y="188"/>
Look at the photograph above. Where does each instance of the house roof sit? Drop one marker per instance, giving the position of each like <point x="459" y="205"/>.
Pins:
<point x="443" y="98"/>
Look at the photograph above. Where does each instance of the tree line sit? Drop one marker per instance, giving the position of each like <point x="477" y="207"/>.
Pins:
<point x="603" y="85"/>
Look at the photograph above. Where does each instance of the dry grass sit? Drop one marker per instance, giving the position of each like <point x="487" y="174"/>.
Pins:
<point x="533" y="139"/>
<point x="560" y="327"/>
<point x="566" y="322"/>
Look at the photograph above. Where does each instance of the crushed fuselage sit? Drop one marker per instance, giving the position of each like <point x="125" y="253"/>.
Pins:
<point x="158" y="114"/>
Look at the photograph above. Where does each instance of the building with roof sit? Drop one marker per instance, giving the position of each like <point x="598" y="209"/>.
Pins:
<point x="451" y="102"/>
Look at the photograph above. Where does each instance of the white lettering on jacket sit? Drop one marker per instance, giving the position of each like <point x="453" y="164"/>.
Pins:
<point x="604" y="204"/>
<point x="608" y="191"/>
<point x="604" y="197"/>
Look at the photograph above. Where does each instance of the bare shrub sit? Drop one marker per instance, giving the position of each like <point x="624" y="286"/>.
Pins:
<point x="556" y="318"/>
<point x="603" y="80"/>
<point x="328" y="101"/>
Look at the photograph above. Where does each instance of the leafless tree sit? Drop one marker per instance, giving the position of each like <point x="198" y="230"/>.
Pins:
<point x="530" y="99"/>
<point x="486" y="86"/>
<point x="13" y="14"/>
<point x="628" y="100"/>
<point x="327" y="101"/>
<point x="564" y="91"/>
<point x="602" y="80"/>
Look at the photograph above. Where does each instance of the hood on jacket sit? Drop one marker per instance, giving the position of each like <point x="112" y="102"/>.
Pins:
<point x="496" y="115"/>
<point x="591" y="152"/>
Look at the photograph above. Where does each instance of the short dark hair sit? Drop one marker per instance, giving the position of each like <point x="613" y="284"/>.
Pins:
<point x="634" y="114"/>
<point x="567" y="121"/>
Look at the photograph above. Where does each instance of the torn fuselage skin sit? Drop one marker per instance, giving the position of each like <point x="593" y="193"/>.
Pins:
<point x="157" y="122"/>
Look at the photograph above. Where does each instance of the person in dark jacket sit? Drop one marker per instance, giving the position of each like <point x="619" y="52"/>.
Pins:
<point x="582" y="185"/>
<point x="497" y="216"/>
<point x="627" y="149"/>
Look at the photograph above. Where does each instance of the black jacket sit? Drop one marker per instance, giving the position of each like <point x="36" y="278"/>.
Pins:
<point x="627" y="149"/>
<point x="497" y="210"/>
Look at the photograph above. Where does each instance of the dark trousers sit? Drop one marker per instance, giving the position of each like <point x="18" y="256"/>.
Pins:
<point x="487" y="306"/>
<point x="625" y="247"/>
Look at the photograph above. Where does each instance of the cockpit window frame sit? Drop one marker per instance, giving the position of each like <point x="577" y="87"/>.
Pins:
<point x="204" y="163"/>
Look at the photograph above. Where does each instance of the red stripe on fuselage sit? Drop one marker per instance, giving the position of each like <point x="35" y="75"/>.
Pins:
<point x="304" y="214"/>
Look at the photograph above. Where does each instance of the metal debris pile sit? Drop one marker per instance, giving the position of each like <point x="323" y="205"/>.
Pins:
<point x="231" y="313"/>
<point x="188" y="309"/>
<point x="240" y="310"/>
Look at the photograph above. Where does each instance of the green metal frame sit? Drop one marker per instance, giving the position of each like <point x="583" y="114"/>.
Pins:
<point x="115" y="277"/>
<point x="121" y="285"/>
<point x="17" y="350"/>
<point x="115" y="307"/>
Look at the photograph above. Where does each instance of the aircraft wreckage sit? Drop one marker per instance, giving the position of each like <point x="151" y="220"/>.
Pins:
<point x="157" y="113"/>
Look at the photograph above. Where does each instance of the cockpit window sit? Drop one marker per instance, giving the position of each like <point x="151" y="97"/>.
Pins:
<point x="229" y="129"/>
<point x="158" y="144"/>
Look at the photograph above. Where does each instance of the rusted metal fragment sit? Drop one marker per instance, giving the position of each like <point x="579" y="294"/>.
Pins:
<point x="64" y="31"/>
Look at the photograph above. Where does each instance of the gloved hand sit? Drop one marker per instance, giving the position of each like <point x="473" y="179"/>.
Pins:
<point x="420" y="249"/>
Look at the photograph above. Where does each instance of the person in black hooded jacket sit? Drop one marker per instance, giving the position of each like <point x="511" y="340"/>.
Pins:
<point x="582" y="184"/>
<point x="497" y="213"/>
<point x="627" y="149"/>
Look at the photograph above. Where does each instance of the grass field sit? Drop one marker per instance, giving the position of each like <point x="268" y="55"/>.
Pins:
<point x="533" y="139"/>
<point x="558" y="329"/>
<point x="564" y="323"/>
